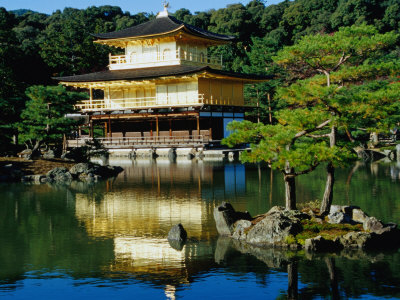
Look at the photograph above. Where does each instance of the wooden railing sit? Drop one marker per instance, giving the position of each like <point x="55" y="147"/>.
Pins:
<point x="138" y="60"/>
<point x="145" y="102"/>
<point x="145" y="142"/>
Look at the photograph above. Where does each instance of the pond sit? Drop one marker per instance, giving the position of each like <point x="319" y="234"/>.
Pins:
<point x="109" y="239"/>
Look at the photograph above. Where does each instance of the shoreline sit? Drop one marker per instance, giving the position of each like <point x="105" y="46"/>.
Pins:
<point x="35" y="167"/>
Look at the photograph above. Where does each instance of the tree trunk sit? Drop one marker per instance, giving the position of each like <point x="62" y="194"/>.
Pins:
<point x="35" y="150"/>
<point x="328" y="194"/>
<point x="290" y="191"/>
<point x="330" y="180"/>
<point x="293" y="289"/>
<point x="330" y="263"/>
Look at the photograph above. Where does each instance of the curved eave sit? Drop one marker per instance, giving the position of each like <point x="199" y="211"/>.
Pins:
<point x="141" y="37"/>
<point x="161" y="73"/>
<point x="182" y="28"/>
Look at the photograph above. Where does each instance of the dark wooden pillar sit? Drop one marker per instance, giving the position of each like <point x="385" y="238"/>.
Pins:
<point x="170" y="127"/>
<point x="210" y="125"/>
<point x="198" y="126"/>
<point x="109" y="127"/>
<point x="91" y="129"/>
<point x="105" y="129"/>
<point x="151" y="128"/>
<point x="157" y="131"/>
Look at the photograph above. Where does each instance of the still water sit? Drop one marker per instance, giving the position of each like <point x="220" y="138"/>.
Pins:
<point x="109" y="240"/>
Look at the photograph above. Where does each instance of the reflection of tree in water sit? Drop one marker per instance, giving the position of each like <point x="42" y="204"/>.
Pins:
<point x="349" y="274"/>
<point x="39" y="231"/>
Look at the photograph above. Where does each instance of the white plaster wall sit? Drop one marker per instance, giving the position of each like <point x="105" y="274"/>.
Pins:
<point x="181" y="93"/>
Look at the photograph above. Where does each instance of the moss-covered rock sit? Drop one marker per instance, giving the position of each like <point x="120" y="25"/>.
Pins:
<point x="298" y="229"/>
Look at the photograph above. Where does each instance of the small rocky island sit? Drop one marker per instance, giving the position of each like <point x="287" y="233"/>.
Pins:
<point x="55" y="171"/>
<point x="346" y="227"/>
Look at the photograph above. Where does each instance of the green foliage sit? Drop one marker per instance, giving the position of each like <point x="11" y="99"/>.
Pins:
<point x="92" y="148"/>
<point x="44" y="118"/>
<point x="323" y="53"/>
<point x="278" y="144"/>
<point x="36" y="46"/>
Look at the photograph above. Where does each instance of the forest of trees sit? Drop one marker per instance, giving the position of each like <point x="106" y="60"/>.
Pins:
<point x="36" y="46"/>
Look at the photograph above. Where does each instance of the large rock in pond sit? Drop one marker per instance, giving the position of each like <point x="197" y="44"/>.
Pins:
<point x="359" y="216"/>
<point x="225" y="217"/>
<point x="177" y="237"/>
<point x="274" y="228"/>
<point x="59" y="175"/>
<point x="93" y="172"/>
<point x="177" y="233"/>
<point x="372" y="224"/>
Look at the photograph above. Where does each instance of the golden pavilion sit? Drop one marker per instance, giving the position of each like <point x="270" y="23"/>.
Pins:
<point x="166" y="89"/>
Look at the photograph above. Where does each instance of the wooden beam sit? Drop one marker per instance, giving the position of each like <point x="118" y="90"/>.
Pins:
<point x="157" y="126"/>
<point x="198" y="125"/>
<point x="91" y="129"/>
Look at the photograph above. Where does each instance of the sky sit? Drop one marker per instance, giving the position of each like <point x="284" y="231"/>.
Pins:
<point x="133" y="6"/>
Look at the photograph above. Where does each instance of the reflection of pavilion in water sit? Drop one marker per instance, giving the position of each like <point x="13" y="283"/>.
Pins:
<point x="212" y="179"/>
<point x="139" y="208"/>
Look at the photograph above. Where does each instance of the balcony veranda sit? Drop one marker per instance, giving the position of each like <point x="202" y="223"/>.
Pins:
<point x="153" y="59"/>
<point x="139" y="103"/>
<point x="148" y="102"/>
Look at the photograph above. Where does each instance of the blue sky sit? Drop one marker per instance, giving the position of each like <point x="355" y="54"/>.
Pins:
<point x="133" y="6"/>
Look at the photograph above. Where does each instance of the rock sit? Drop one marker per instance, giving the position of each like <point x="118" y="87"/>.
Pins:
<point x="90" y="177"/>
<point x="240" y="230"/>
<point x="335" y="208"/>
<point x="177" y="237"/>
<point x="319" y="244"/>
<point x="362" y="240"/>
<point x="359" y="216"/>
<point x="93" y="172"/>
<point x="82" y="168"/>
<point x="49" y="154"/>
<point x="59" y="174"/>
<point x="296" y="214"/>
<point x="342" y="208"/>
<point x="339" y="218"/>
<point x="273" y="229"/>
<point x="177" y="233"/>
<point x="372" y="224"/>
<point x="225" y="216"/>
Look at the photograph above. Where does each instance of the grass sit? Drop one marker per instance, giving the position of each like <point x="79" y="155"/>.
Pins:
<point x="326" y="230"/>
<point x="313" y="205"/>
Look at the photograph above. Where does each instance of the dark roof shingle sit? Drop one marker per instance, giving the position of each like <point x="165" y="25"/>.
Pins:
<point x="159" y="26"/>
<point x="155" y="72"/>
